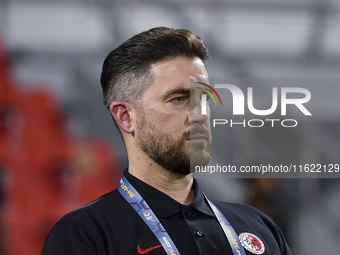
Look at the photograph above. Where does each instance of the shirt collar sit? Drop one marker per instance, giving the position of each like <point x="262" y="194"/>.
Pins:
<point x="165" y="206"/>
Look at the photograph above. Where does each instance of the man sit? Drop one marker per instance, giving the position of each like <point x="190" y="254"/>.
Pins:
<point x="159" y="208"/>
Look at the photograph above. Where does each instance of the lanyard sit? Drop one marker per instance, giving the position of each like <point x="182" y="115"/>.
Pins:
<point x="228" y="230"/>
<point x="132" y="196"/>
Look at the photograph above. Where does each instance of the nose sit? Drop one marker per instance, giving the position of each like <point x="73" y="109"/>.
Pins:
<point x="196" y="116"/>
<point x="197" y="119"/>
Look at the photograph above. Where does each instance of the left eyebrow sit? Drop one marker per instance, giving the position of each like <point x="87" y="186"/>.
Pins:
<point x="206" y="90"/>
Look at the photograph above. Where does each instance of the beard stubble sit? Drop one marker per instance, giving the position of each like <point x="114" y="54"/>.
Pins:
<point x="169" y="151"/>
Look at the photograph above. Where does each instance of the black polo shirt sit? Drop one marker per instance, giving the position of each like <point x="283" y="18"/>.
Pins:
<point x="110" y="226"/>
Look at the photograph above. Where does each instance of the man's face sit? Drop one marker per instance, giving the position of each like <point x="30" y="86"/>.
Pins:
<point x="170" y="127"/>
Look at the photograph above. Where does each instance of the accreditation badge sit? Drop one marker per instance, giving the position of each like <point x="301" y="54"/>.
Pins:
<point x="252" y="243"/>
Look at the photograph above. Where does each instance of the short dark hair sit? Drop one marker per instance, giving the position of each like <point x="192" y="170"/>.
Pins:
<point x="126" y="70"/>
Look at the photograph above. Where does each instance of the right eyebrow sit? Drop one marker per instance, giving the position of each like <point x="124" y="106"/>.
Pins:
<point x="175" y="91"/>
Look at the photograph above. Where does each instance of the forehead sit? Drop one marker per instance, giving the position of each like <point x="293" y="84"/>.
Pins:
<point x="173" y="73"/>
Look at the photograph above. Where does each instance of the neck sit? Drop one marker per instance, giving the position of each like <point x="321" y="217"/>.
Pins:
<point x="177" y="186"/>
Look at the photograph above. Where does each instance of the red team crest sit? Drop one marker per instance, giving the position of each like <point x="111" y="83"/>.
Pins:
<point x="252" y="243"/>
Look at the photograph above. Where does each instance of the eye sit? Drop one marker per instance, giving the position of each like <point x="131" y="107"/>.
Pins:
<point x="207" y="95"/>
<point x="179" y="99"/>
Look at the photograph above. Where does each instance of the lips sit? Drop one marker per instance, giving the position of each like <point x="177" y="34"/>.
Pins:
<point x="197" y="133"/>
<point x="198" y="137"/>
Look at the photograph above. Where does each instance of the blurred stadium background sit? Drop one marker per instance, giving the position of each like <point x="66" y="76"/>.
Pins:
<point x="58" y="145"/>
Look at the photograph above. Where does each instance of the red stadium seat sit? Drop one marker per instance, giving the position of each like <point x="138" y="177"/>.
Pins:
<point x="96" y="170"/>
<point x="46" y="173"/>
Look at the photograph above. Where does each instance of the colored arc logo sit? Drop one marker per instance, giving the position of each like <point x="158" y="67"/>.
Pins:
<point x="209" y="92"/>
<point x="144" y="251"/>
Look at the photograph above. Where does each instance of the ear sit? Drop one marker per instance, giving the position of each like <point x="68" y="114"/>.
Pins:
<point x="121" y="111"/>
